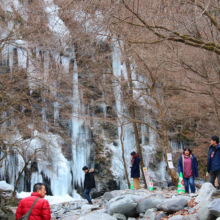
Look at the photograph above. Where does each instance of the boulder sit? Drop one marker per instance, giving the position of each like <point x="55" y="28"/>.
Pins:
<point x="205" y="192"/>
<point x="6" y="212"/>
<point x="214" y="207"/>
<point x="150" y="214"/>
<point x="188" y="198"/>
<point x="119" y="216"/>
<point x="95" y="216"/>
<point x="122" y="204"/>
<point x="75" y="212"/>
<point x="203" y="213"/>
<point x="173" y="205"/>
<point x="191" y="217"/>
<point x="85" y="209"/>
<point x="107" y="196"/>
<point x="148" y="203"/>
<point x="160" y="215"/>
<point x="216" y="194"/>
<point x="176" y="217"/>
<point x="141" y="215"/>
<point x="6" y="198"/>
<point x="59" y="213"/>
<point x="101" y="211"/>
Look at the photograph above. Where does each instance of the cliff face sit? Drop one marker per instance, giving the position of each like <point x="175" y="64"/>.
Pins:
<point x="65" y="99"/>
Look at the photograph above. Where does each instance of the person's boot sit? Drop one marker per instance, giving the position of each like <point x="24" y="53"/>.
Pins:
<point x="90" y="203"/>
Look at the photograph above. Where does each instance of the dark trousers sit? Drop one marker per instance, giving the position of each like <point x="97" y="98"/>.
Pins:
<point x="213" y="175"/>
<point x="189" y="182"/>
<point x="86" y="194"/>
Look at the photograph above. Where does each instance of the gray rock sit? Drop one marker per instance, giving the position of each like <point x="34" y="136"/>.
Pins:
<point x="203" y="213"/>
<point x="205" y="192"/>
<point x="141" y="215"/>
<point x="131" y="218"/>
<point x="86" y="209"/>
<point x="71" y="203"/>
<point x="95" y="207"/>
<point x="79" y="205"/>
<point x="65" y="204"/>
<point x="216" y="194"/>
<point x="53" y="216"/>
<point x="160" y="215"/>
<point x="71" y="207"/>
<point x="136" y="198"/>
<point x="193" y="194"/>
<point x="60" y="213"/>
<point x="122" y="204"/>
<point x="191" y="217"/>
<point x="188" y="198"/>
<point x="150" y="214"/>
<point x="176" y="217"/>
<point x="101" y="211"/>
<point x="192" y="210"/>
<point x="107" y="196"/>
<point x="173" y="205"/>
<point x="148" y="203"/>
<point x="95" y="216"/>
<point x="119" y="216"/>
<point x="74" y="212"/>
<point x="214" y="207"/>
<point x="55" y="208"/>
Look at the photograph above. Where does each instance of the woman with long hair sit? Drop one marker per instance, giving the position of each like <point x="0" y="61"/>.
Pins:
<point x="188" y="165"/>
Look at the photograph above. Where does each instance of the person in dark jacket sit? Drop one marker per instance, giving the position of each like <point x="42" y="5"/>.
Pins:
<point x="213" y="163"/>
<point x="135" y="169"/>
<point x="188" y="166"/>
<point x="89" y="182"/>
<point x="41" y="210"/>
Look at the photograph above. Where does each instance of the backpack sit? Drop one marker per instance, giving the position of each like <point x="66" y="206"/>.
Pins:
<point x="26" y="216"/>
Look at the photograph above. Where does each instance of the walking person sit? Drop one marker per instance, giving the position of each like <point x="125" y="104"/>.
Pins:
<point x="89" y="182"/>
<point x="135" y="169"/>
<point x="188" y="166"/>
<point x="213" y="162"/>
<point x="41" y="209"/>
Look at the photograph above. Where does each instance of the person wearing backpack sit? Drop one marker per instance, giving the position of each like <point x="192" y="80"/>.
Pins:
<point x="40" y="210"/>
<point x="89" y="182"/>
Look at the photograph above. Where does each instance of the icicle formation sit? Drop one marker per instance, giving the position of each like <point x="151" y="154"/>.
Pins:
<point x="120" y="72"/>
<point x="128" y="135"/>
<point x="58" y="171"/>
<point x="80" y="134"/>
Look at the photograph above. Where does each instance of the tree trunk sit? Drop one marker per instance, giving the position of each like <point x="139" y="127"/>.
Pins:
<point x="123" y="157"/>
<point x="132" y="112"/>
<point x="172" y="171"/>
<point x="19" y="176"/>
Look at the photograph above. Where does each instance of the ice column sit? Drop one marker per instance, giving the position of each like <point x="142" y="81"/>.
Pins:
<point x="80" y="134"/>
<point x="128" y="136"/>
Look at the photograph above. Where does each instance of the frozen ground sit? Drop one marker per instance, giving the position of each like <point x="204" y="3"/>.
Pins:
<point x="51" y="199"/>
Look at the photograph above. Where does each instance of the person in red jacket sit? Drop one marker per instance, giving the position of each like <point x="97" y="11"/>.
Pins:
<point x="41" y="210"/>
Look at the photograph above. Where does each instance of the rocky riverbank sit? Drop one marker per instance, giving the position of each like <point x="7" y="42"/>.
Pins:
<point x="142" y="205"/>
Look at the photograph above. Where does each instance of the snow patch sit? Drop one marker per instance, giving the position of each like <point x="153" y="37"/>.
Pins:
<point x="51" y="199"/>
<point x="5" y="186"/>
